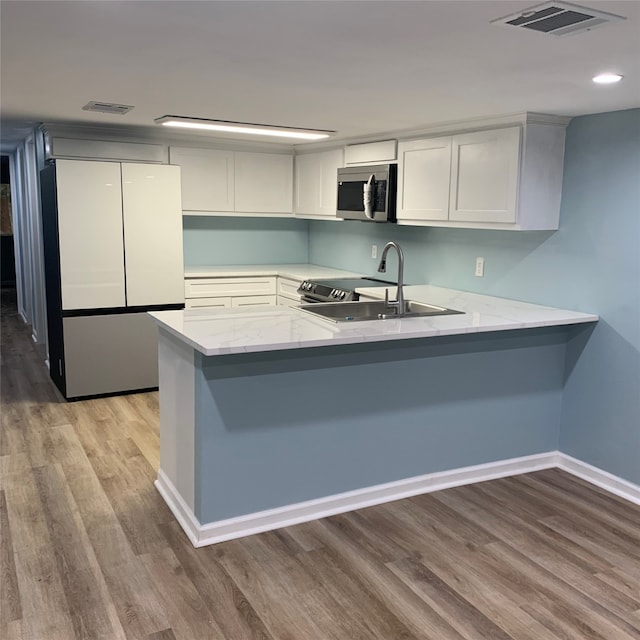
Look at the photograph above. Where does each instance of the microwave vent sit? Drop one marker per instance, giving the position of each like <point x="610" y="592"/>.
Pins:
<point x="107" y="107"/>
<point x="558" y="18"/>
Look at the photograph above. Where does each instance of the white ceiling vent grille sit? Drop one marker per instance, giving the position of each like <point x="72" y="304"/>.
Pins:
<point x="107" y="107"/>
<point x="558" y="18"/>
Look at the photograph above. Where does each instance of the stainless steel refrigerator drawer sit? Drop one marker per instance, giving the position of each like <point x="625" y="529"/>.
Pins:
<point x="110" y="353"/>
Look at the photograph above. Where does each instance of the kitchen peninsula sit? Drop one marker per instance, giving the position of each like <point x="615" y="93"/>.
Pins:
<point x="272" y="416"/>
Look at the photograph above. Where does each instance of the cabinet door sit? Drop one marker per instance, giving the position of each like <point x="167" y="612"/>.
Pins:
<point x="152" y="234"/>
<point x="263" y="182"/>
<point x="207" y="178"/>
<point x="90" y="234"/>
<point x="316" y="186"/>
<point x="288" y="289"/>
<point x="423" y="179"/>
<point x="484" y="176"/>
<point x="229" y="287"/>
<point x="308" y="172"/>
<point x="329" y="163"/>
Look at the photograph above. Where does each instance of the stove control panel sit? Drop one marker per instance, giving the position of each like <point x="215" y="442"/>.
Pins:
<point x="324" y="293"/>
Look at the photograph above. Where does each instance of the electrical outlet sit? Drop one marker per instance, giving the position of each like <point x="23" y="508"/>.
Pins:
<point x="479" y="267"/>
<point x="374" y="251"/>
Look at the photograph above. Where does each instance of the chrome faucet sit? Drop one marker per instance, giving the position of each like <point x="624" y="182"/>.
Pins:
<point x="398" y="303"/>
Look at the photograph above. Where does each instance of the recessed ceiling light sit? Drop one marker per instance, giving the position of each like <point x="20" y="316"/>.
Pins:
<point x="226" y="126"/>
<point x="607" y="78"/>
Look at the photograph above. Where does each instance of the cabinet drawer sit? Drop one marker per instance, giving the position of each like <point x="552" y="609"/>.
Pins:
<point x="253" y="301"/>
<point x="288" y="288"/>
<point x="222" y="287"/>
<point x="220" y="303"/>
<point x="288" y="302"/>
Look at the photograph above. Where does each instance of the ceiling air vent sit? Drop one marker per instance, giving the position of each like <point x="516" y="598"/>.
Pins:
<point x="107" y="107"/>
<point x="558" y="18"/>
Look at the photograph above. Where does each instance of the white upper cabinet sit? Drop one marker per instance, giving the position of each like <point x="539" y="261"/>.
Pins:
<point x="90" y="234"/>
<point x="484" y="176"/>
<point x="219" y="182"/>
<point x="499" y="178"/>
<point x="207" y="178"/>
<point x="308" y="172"/>
<point x="423" y="179"/>
<point x="263" y="182"/>
<point x="152" y="234"/>
<point x="381" y="152"/>
<point x="316" y="185"/>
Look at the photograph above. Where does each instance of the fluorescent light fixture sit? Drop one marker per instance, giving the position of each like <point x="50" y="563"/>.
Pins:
<point x="607" y="78"/>
<point x="226" y="126"/>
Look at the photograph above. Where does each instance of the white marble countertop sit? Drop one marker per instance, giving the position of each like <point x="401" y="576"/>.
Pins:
<point x="294" y="271"/>
<point x="226" y="331"/>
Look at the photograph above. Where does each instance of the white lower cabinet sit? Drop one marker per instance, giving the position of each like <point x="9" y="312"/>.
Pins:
<point x="228" y="292"/>
<point x="241" y="291"/>
<point x="501" y="178"/>
<point x="220" y="303"/>
<point x="288" y="295"/>
<point x="253" y="301"/>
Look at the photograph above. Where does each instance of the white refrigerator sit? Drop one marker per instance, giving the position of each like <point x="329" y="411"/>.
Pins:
<point x="113" y="251"/>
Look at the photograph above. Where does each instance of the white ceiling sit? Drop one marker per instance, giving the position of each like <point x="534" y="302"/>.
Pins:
<point x="358" y="67"/>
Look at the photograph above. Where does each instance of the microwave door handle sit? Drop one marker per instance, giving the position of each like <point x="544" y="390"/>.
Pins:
<point x="368" y="192"/>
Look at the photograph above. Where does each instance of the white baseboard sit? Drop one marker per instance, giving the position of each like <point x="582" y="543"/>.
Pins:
<point x="212" y="532"/>
<point x="603" y="479"/>
<point x="179" y="507"/>
<point x="231" y="528"/>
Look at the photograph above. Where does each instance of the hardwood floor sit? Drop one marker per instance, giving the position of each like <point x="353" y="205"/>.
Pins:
<point x="89" y="549"/>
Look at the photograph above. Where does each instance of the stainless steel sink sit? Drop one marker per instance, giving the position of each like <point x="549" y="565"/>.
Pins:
<point x="373" y="310"/>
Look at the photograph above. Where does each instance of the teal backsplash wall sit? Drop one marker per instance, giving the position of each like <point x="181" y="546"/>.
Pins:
<point x="213" y="240"/>
<point x="444" y="257"/>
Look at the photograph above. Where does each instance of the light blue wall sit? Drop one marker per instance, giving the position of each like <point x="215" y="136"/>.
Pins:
<point x="601" y="217"/>
<point x="325" y="421"/>
<point x="212" y="240"/>
<point x="592" y="263"/>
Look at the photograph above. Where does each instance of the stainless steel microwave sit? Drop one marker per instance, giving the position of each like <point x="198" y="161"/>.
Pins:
<point x="367" y="193"/>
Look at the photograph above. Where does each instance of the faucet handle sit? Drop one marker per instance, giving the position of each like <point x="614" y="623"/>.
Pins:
<point x="386" y="297"/>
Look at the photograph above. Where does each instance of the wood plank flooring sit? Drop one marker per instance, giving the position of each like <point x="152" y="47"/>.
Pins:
<point x="90" y="551"/>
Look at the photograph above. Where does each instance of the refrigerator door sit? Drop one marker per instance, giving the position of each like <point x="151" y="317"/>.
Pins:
<point x="152" y="214"/>
<point x="109" y="354"/>
<point x="90" y="234"/>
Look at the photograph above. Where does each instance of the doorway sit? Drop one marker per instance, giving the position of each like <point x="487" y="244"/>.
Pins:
<point x="7" y="255"/>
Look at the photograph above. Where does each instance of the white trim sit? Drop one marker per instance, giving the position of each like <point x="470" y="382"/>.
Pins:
<point x="179" y="508"/>
<point x="229" y="529"/>
<point x="603" y="479"/>
<point x="241" y="526"/>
